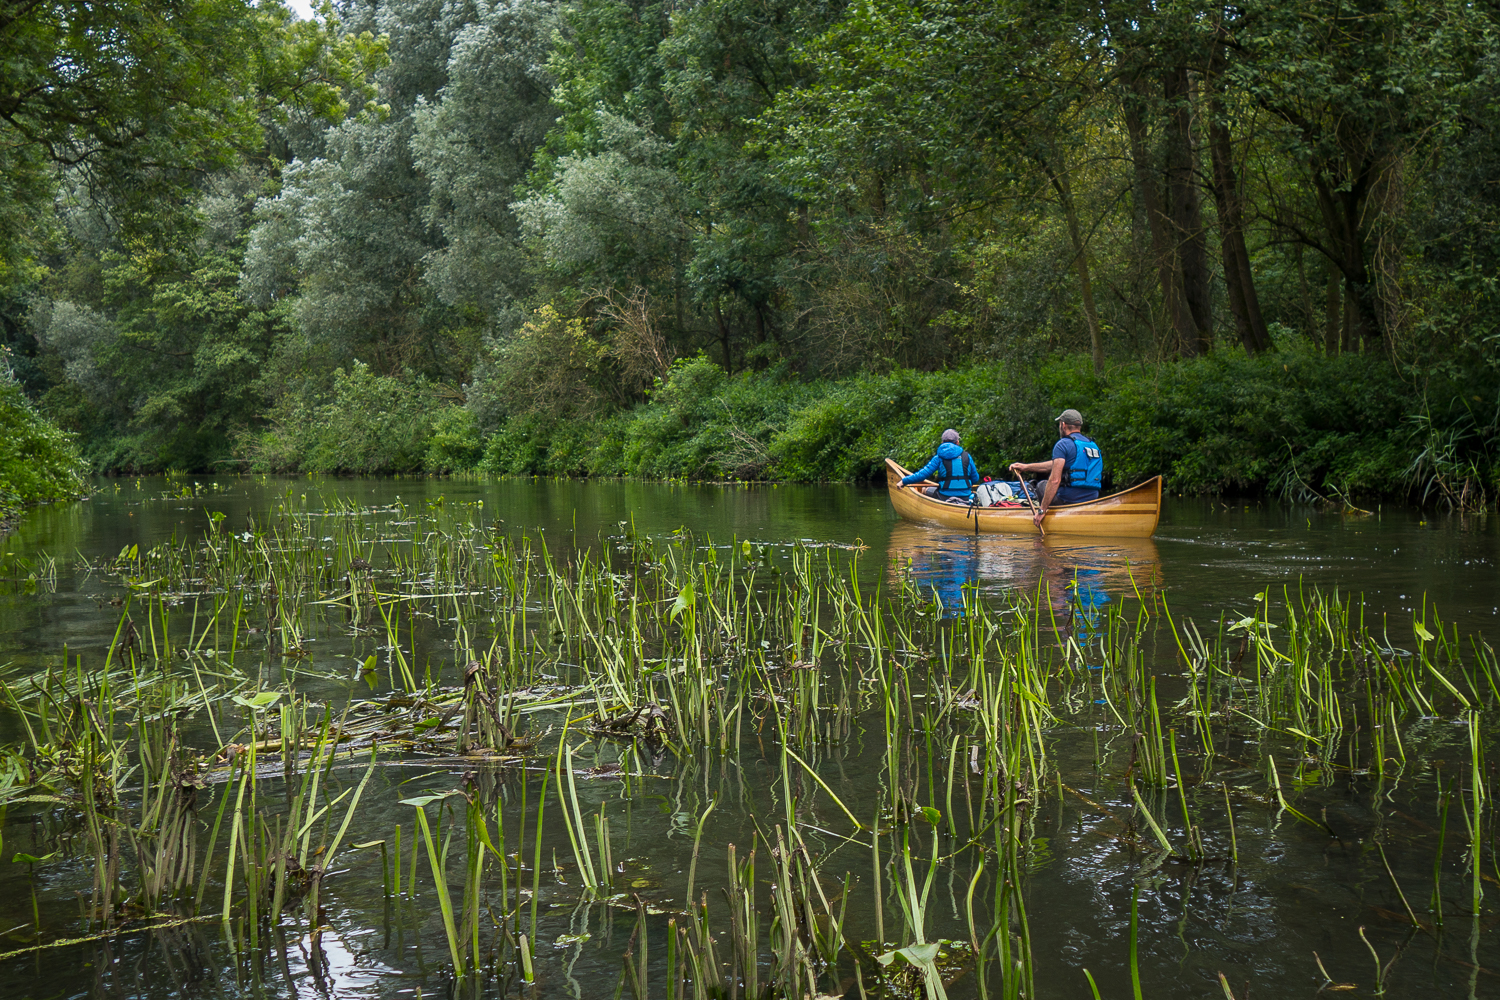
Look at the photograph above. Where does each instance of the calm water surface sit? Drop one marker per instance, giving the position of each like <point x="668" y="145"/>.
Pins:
<point x="1293" y="893"/>
<point x="1211" y="556"/>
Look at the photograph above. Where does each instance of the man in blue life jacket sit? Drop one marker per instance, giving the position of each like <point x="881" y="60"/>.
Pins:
<point x="953" y="469"/>
<point x="1074" y="472"/>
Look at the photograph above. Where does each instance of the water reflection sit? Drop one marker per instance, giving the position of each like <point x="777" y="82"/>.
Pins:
<point x="1076" y="577"/>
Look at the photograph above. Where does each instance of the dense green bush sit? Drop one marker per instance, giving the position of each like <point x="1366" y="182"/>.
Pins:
<point x="455" y="445"/>
<point x="369" y="424"/>
<point x="1293" y="423"/>
<point x="1288" y="422"/>
<point x="38" y="462"/>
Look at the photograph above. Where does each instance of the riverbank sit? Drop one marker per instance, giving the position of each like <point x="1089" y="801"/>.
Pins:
<point x="1294" y="424"/>
<point x="38" y="462"/>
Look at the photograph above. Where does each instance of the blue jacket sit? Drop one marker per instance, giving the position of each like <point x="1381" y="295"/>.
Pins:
<point x="950" y="461"/>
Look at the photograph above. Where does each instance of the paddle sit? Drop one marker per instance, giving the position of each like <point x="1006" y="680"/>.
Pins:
<point x="1029" y="499"/>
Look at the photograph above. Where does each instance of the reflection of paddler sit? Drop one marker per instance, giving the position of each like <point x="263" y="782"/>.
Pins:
<point x="945" y="570"/>
<point x="1073" y="569"/>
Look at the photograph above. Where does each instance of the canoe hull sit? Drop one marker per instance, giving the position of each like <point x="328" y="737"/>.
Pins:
<point x="1131" y="513"/>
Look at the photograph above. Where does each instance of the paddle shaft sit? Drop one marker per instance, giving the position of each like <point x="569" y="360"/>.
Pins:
<point x="1029" y="498"/>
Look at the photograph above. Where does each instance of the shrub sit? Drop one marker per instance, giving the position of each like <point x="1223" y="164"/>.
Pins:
<point x="1281" y="422"/>
<point x="455" y="445"/>
<point x="370" y="424"/>
<point x="38" y="462"/>
<point x="1293" y="422"/>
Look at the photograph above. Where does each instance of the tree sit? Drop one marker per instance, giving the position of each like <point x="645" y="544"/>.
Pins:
<point x="1361" y="93"/>
<point x="474" y="143"/>
<point x="350" y="232"/>
<point x="135" y="302"/>
<point x="137" y="97"/>
<point x="938" y="112"/>
<point x="139" y="100"/>
<point x="650" y="181"/>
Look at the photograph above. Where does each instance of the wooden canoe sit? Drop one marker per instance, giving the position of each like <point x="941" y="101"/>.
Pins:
<point x="1130" y="513"/>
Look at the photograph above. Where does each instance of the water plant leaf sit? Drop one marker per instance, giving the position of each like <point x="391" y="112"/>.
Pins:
<point x="1449" y="685"/>
<point x="22" y="858"/>
<point x="923" y="957"/>
<point x="260" y="702"/>
<point x="917" y="954"/>
<point x="367" y="845"/>
<point x="930" y="814"/>
<point x="1161" y="837"/>
<point x="683" y="602"/>
<point x="1421" y="632"/>
<point x="422" y="801"/>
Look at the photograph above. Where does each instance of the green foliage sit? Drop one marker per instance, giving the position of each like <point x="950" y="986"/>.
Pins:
<point x="1284" y="423"/>
<point x="138" y="98"/>
<point x="703" y="424"/>
<point x="1294" y="423"/>
<point x="369" y="424"/>
<point x="141" y="91"/>
<point x="551" y="366"/>
<point x="231" y="235"/>
<point x="455" y="444"/>
<point x="350" y="233"/>
<point x="647" y="179"/>
<point x="38" y="461"/>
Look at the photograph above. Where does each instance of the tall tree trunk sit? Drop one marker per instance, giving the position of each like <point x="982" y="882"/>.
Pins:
<point x="1185" y="206"/>
<point x="1064" y="189"/>
<point x="1342" y="208"/>
<point x="1238" y="279"/>
<point x="1179" y="319"/>
<point x="723" y="337"/>
<point x="1333" y="318"/>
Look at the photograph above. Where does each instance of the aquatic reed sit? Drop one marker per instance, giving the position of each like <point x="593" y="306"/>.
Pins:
<point x="512" y="659"/>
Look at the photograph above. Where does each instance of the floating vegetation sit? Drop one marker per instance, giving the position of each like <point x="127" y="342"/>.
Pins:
<point x="737" y="769"/>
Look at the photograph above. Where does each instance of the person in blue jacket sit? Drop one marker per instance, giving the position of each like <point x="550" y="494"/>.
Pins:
<point x="953" y="469"/>
<point x="1075" y="472"/>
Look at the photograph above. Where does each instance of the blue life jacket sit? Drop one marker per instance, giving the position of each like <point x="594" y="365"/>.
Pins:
<point x="955" y="480"/>
<point x="1086" y="471"/>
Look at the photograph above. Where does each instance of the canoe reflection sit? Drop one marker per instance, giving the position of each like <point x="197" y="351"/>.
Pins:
<point x="1075" y="576"/>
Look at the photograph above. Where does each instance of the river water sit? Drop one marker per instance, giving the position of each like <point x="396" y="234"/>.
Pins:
<point x="1258" y="924"/>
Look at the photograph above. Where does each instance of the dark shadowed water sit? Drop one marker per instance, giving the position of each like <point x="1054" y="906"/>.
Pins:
<point x="1296" y="891"/>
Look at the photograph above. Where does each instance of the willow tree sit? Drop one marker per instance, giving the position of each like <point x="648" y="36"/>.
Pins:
<point x="351" y="231"/>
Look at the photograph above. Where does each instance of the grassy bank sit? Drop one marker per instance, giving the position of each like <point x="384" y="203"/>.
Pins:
<point x="1295" y="424"/>
<point x="38" y="462"/>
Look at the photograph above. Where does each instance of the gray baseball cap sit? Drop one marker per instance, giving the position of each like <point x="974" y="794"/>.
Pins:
<point x="1070" y="416"/>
